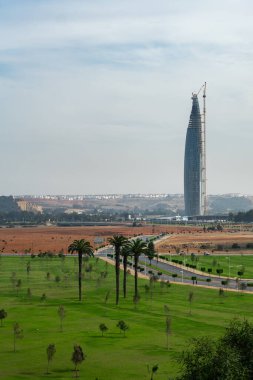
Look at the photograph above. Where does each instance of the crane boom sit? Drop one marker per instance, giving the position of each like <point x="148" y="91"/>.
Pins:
<point x="203" y="202"/>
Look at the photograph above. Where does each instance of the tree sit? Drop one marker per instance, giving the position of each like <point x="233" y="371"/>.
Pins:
<point x="18" y="285"/>
<point x="190" y="299"/>
<point x="125" y="253"/>
<point x="122" y="326"/>
<point x="78" y="357"/>
<point x="117" y="241"/>
<point x="28" y="268"/>
<point x="43" y="297"/>
<point x="103" y="328"/>
<point x="107" y="295"/>
<point x="239" y="336"/>
<point x="228" y="358"/>
<point x="154" y="369"/>
<point x="17" y="334"/>
<point x="168" y="329"/>
<point x="166" y="310"/>
<point x="3" y="315"/>
<point x="51" y="350"/>
<point x="219" y="227"/>
<point x="62" y="314"/>
<point x="137" y="248"/>
<point x="150" y="253"/>
<point x="82" y="247"/>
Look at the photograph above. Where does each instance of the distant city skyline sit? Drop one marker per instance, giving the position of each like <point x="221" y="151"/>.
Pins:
<point x="95" y="97"/>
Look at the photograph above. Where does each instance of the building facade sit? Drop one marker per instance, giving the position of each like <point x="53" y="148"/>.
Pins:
<point x="192" y="162"/>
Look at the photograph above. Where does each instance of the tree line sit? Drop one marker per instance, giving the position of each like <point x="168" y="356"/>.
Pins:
<point x="242" y="216"/>
<point x="123" y="248"/>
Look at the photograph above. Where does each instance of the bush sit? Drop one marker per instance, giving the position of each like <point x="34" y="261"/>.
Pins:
<point x="219" y="271"/>
<point x="57" y="279"/>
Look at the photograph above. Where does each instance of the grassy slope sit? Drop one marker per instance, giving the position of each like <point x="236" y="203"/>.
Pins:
<point x="113" y="356"/>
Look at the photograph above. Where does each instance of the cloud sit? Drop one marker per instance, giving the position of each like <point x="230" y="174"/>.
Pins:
<point x="93" y="88"/>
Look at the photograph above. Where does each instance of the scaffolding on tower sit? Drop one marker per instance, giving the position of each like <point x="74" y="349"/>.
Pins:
<point x="203" y="200"/>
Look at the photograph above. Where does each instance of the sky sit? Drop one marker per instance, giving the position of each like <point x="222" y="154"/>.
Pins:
<point x="95" y="96"/>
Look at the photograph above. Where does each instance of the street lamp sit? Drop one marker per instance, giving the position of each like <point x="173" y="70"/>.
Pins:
<point x="228" y="257"/>
<point x="182" y="275"/>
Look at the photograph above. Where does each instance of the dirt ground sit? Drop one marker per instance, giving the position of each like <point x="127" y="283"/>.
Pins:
<point x="57" y="239"/>
<point x="193" y="240"/>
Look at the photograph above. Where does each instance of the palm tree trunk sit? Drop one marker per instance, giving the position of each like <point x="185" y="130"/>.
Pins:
<point x="117" y="271"/>
<point x="125" y="275"/>
<point x="80" y="275"/>
<point x="136" y="257"/>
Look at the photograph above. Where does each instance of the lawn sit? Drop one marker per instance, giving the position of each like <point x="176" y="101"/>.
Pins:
<point x="231" y="264"/>
<point x="113" y="356"/>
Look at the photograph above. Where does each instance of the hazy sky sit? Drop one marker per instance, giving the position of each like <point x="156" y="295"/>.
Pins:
<point x="95" y="96"/>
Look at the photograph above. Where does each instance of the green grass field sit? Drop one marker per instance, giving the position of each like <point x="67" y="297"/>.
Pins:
<point x="111" y="357"/>
<point x="235" y="262"/>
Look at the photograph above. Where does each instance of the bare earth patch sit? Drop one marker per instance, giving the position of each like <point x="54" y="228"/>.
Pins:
<point x="56" y="239"/>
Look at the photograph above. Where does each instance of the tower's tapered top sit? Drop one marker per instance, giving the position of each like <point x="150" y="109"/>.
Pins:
<point x="195" y="117"/>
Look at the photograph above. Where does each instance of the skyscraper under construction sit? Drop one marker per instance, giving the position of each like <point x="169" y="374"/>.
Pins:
<point x="195" y="160"/>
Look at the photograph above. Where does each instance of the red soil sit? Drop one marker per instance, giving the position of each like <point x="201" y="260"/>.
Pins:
<point x="56" y="239"/>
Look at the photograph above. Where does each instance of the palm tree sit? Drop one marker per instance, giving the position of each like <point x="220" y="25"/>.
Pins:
<point x="137" y="247"/>
<point x="118" y="241"/>
<point x="82" y="247"/>
<point x="125" y="253"/>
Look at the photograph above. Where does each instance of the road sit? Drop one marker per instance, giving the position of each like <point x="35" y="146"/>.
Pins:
<point x="184" y="274"/>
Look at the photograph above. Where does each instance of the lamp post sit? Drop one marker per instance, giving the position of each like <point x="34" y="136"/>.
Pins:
<point x="228" y="257"/>
<point x="182" y="275"/>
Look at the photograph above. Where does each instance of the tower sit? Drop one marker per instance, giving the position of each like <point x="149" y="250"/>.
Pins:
<point x="195" y="160"/>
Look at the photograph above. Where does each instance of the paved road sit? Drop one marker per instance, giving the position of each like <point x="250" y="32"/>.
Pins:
<point x="184" y="274"/>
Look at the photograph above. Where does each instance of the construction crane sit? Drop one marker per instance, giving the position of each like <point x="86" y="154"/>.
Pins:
<point x="203" y="201"/>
